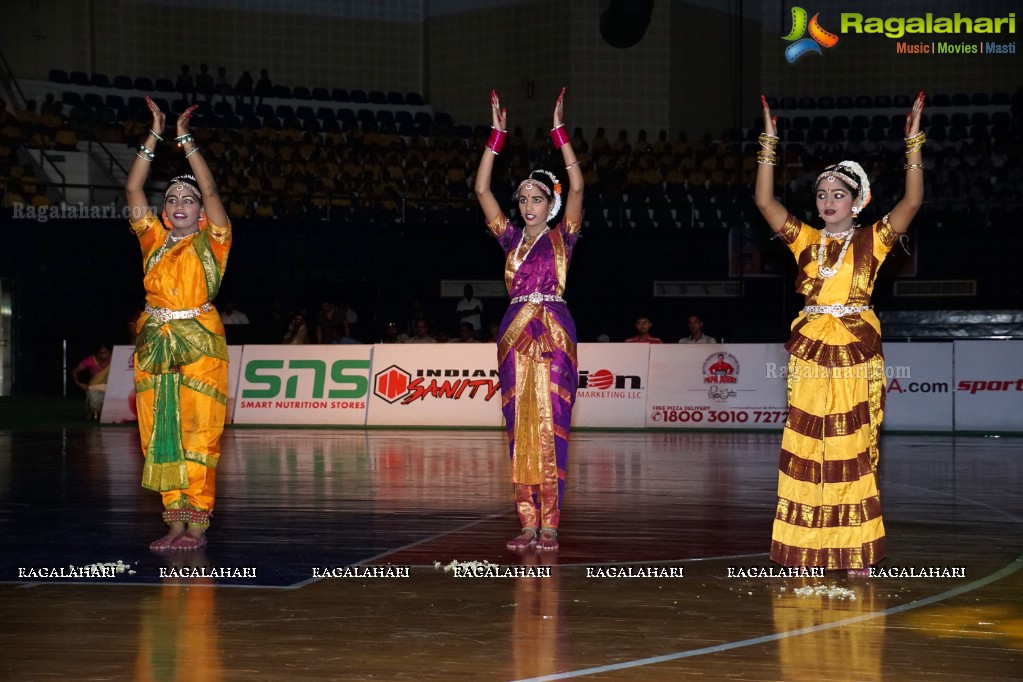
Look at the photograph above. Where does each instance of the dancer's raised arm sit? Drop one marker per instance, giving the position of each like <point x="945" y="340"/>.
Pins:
<point x="574" y="199"/>
<point x="904" y="212"/>
<point x="214" y="207"/>
<point x="767" y="158"/>
<point x="134" y="186"/>
<point x="498" y="134"/>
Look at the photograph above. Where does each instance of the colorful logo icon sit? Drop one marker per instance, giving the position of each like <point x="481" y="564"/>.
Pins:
<point x="800" y="46"/>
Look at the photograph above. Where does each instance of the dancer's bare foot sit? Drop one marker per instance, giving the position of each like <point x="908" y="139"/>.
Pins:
<point x="548" y="539"/>
<point x="176" y="530"/>
<point x="523" y="540"/>
<point x="193" y="538"/>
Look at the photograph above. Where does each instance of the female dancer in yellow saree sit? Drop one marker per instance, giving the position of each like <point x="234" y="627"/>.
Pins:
<point x="181" y="353"/>
<point x="829" y="509"/>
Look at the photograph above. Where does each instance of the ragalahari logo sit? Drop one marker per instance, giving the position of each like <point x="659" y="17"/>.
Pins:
<point x="818" y="36"/>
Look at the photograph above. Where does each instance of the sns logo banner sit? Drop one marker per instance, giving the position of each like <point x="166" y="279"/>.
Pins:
<point x="314" y="385"/>
<point x="800" y="46"/>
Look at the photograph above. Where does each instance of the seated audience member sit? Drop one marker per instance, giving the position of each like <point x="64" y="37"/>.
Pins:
<point x="643" y="325"/>
<point x="422" y="334"/>
<point x="466" y="334"/>
<point x="696" y="334"/>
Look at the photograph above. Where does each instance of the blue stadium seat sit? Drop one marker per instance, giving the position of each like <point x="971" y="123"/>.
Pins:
<point x="164" y="85"/>
<point x="100" y="80"/>
<point x="960" y="100"/>
<point x="377" y="97"/>
<point x="359" y="96"/>
<point x="980" y="99"/>
<point x="281" y="92"/>
<point x="395" y="98"/>
<point x="385" y="117"/>
<point x="346" y="116"/>
<point x="442" y="118"/>
<point x="825" y="102"/>
<point x="414" y="99"/>
<point x="403" y="117"/>
<point x="301" y="92"/>
<point x="820" y="123"/>
<point x="1000" y="98"/>
<point x="882" y="101"/>
<point x="326" y="114"/>
<point x="340" y="95"/>
<point x="285" y="111"/>
<point x="71" y="98"/>
<point x="940" y="100"/>
<point x="144" y="83"/>
<point x="114" y="102"/>
<point x="840" y="121"/>
<point x="304" y="112"/>
<point x="860" y="121"/>
<point x="93" y="100"/>
<point x="222" y="109"/>
<point x="902" y="102"/>
<point x="321" y="94"/>
<point x="844" y="102"/>
<point x="123" y="83"/>
<point x="863" y="102"/>
<point x="807" y="103"/>
<point x="939" y="119"/>
<point x="59" y="76"/>
<point x="788" y="103"/>
<point x="79" y="78"/>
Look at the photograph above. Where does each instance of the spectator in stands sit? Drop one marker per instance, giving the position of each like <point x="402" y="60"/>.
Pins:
<point x="204" y="82"/>
<point x="185" y="85"/>
<point x="643" y="326"/>
<point x="470" y="308"/>
<point x="264" y="86"/>
<point x="297" y="332"/>
<point x="97" y="366"/>
<point x="228" y="315"/>
<point x="392" y="335"/>
<point x="536" y="353"/>
<point x="244" y="88"/>
<point x="422" y="334"/>
<point x="222" y="86"/>
<point x="332" y="323"/>
<point x="696" y="334"/>
<point x="466" y="334"/>
<point x="181" y="338"/>
<point x="836" y="369"/>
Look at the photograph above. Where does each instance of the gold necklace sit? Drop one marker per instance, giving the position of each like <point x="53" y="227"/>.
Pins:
<point x="826" y="272"/>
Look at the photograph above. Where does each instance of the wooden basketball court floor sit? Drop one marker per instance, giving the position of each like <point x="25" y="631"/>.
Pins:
<point x="296" y="503"/>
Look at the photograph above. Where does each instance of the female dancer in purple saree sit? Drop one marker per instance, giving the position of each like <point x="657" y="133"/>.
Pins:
<point x="536" y="347"/>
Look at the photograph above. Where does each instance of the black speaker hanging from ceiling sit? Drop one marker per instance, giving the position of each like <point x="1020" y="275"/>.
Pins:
<point x="624" y="22"/>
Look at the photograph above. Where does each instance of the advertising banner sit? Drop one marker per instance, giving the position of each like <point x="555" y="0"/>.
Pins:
<point x="989" y="385"/>
<point x="717" y="386"/>
<point x="613" y="385"/>
<point x="119" y="403"/>
<point x="918" y="387"/>
<point x="450" y="384"/>
<point x="321" y="384"/>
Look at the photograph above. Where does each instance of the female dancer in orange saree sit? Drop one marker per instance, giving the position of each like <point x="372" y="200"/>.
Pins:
<point x="536" y="348"/>
<point x="181" y="353"/>
<point x="829" y="509"/>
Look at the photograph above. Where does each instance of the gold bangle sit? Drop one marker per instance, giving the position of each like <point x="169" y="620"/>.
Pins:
<point x="914" y="166"/>
<point x="574" y="163"/>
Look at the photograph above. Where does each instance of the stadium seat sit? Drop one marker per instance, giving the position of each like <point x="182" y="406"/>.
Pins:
<point x="321" y="94"/>
<point x="340" y="95"/>
<point x="377" y="97"/>
<point x="395" y="98"/>
<point x="164" y="85"/>
<point x="100" y="80"/>
<point x="144" y="83"/>
<point x="59" y="76"/>
<point x="301" y="92"/>
<point x="359" y="96"/>
<point x="123" y="83"/>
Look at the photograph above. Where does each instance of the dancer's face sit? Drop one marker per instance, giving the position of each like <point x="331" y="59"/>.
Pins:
<point x="182" y="207"/>
<point x="834" y="203"/>
<point x="533" y="206"/>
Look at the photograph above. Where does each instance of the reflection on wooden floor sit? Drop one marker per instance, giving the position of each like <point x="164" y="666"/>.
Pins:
<point x="294" y="503"/>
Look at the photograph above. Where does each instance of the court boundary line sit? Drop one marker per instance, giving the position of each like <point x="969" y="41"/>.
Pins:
<point x="1006" y="570"/>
